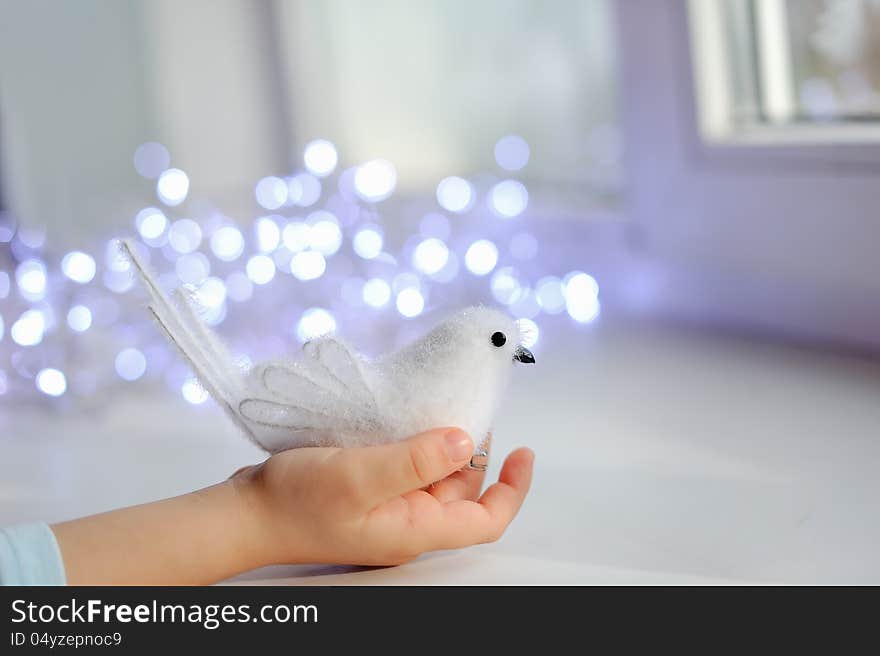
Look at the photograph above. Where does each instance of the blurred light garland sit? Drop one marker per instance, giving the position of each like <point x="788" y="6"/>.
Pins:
<point x="68" y="330"/>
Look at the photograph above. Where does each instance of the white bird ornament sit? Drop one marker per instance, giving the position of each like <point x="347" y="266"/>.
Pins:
<point x="454" y="375"/>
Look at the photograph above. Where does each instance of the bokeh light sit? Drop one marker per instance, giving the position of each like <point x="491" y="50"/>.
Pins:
<point x="549" y="292"/>
<point x="30" y="276"/>
<point x="481" y="257"/>
<point x="508" y="198"/>
<point x="582" y="297"/>
<point x="505" y="285"/>
<point x="368" y="242"/>
<point x="303" y="190"/>
<point x="79" y="318"/>
<point x="211" y="294"/>
<point x="118" y="282"/>
<point x="130" y="364"/>
<point x="308" y="265"/>
<point x="51" y="381"/>
<point x="172" y="187"/>
<point x="193" y="392"/>
<point x="151" y="223"/>
<point x="192" y="268"/>
<point x="430" y="256"/>
<point x="268" y="234"/>
<point x="324" y="235"/>
<point x="315" y="322"/>
<point x="455" y="194"/>
<point x="185" y="236"/>
<point x="150" y="159"/>
<point x="31" y="236"/>
<point x="29" y="328"/>
<point x="583" y="310"/>
<point x="376" y="292"/>
<point x="526" y="305"/>
<point x="296" y="236"/>
<point x="261" y="269"/>
<point x="214" y="316"/>
<point x="375" y="181"/>
<point x="578" y="283"/>
<point x="410" y="302"/>
<point x="399" y="274"/>
<point x="79" y="267"/>
<point x="271" y="192"/>
<point x="512" y="152"/>
<point x="320" y="157"/>
<point x="227" y="243"/>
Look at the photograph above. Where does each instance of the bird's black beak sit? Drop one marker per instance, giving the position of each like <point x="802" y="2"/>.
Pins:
<point x="524" y="355"/>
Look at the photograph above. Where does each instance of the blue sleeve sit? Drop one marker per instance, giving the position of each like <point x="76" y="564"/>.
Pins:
<point x="29" y="555"/>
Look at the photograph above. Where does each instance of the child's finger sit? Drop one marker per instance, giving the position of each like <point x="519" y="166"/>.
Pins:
<point x="463" y="484"/>
<point x="390" y="470"/>
<point x="465" y="522"/>
<point x="504" y="499"/>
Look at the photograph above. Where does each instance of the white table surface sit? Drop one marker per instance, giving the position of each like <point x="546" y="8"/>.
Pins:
<point x="663" y="456"/>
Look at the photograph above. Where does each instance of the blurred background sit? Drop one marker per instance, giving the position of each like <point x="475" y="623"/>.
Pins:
<point x="678" y="200"/>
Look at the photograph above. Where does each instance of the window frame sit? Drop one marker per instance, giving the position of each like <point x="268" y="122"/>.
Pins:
<point x="774" y="238"/>
<point x="824" y="144"/>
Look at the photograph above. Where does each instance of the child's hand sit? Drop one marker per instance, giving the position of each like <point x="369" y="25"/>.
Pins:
<point x="380" y="505"/>
<point x="358" y="506"/>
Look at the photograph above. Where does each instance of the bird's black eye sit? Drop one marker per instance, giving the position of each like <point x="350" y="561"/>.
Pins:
<point x="498" y="339"/>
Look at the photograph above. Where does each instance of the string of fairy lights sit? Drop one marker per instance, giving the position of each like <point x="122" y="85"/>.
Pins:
<point x="315" y="258"/>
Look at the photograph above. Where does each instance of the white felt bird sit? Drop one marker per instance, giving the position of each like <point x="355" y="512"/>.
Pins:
<point x="452" y="376"/>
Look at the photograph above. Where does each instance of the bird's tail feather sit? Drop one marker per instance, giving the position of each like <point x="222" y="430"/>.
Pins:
<point x="198" y="344"/>
<point x="206" y="339"/>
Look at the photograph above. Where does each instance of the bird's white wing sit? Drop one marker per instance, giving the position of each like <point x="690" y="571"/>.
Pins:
<point x="326" y="393"/>
<point x="342" y="366"/>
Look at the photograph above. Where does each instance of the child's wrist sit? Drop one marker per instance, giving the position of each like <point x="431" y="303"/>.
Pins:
<point x="253" y="521"/>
